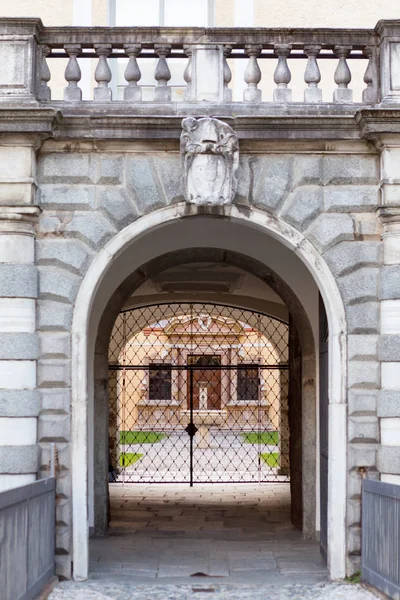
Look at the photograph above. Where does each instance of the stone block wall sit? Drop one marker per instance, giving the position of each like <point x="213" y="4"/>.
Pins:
<point x="388" y="400"/>
<point x="19" y="347"/>
<point x="87" y="197"/>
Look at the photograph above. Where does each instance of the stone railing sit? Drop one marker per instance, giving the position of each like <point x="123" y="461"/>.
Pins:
<point x="29" y="52"/>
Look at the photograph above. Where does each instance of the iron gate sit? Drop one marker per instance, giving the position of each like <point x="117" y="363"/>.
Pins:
<point x="198" y="393"/>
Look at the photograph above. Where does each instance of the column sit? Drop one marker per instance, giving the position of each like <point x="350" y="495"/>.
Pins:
<point x="19" y="402"/>
<point x="179" y="378"/>
<point x="233" y="377"/>
<point x="388" y="403"/>
<point x="225" y="380"/>
<point x="174" y="374"/>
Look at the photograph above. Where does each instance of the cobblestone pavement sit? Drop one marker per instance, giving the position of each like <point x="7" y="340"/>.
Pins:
<point x="125" y="591"/>
<point x="210" y="541"/>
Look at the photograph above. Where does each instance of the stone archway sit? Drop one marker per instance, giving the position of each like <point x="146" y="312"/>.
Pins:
<point x="94" y="291"/>
<point x="306" y="484"/>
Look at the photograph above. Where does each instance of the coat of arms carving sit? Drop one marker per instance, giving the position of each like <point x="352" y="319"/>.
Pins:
<point x="210" y="159"/>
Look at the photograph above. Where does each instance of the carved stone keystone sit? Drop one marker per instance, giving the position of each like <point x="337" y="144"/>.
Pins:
<point x="210" y="159"/>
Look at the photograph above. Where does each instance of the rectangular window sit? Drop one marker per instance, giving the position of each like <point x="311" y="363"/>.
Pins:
<point x="247" y="382"/>
<point x="182" y="13"/>
<point x="154" y="13"/>
<point x="137" y="13"/>
<point x="159" y="382"/>
<point x="169" y="13"/>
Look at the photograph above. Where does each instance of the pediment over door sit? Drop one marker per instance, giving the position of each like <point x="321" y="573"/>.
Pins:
<point x="204" y="325"/>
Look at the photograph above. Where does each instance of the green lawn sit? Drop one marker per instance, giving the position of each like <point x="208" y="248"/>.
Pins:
<point x="140" y="437"/>
<point x="126" y="459"/>
<point x="271" y="458"/>
<point x="261" y="437"/>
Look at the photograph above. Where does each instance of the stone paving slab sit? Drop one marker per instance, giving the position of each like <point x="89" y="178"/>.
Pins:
<point x="239" y="536"/>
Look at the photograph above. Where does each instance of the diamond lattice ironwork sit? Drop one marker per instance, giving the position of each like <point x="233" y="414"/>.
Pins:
<point x="198" y="393"/>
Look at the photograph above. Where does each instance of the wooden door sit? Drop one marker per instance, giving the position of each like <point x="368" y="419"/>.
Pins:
<point x="209" y="378"/>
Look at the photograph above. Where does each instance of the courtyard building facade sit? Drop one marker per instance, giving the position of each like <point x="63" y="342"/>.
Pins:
<point x="206" y="265"/>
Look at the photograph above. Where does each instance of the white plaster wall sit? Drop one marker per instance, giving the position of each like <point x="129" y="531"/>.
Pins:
<point x="17" y="374"/>
<point x="395" y="479"/>
<point x="82" y="16"/>
<point x="390" y="316"/>
<point x="243" y="17"/>
<point x="18" y="431"/>
<point x="267" y="13"/>
<point x="18" y="249"/>
<point x="390" y="431"/>
<point x="390" y="374"/>
<point x="17" y="315"/>
<point x="9" y="482"/>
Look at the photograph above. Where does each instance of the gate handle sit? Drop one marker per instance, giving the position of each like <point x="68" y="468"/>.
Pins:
<point x="191" y="429"/>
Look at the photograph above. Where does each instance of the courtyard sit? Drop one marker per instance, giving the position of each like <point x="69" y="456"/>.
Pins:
<point x="228" y="456"/>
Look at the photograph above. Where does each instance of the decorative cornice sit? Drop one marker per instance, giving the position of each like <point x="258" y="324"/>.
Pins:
<point x="19" y="219"/>
<point x="92" y="121"/>
<point x="162" y="122"/>
<point x="387" y="27"/>
<point x="389" y="214"/>
<point x="378" y="123"/>
<point x="28" y="125"/>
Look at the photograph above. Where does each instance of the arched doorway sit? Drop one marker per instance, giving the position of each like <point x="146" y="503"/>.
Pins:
<point x="119" y="268"/>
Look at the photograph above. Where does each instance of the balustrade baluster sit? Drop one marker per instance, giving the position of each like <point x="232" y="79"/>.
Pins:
<point x="227" y="74"/>
<point x="188" y="74"/>
<point x="73" y="93"/>
<point x="132" y="92"/>
<point x="102" y="74"/>
<point x="342" y="75"/>
<point x="282" y="75"/>
<point x="252" y="75"/>
<point x="44" y="92"/>
<point x="312" y="75"/>
<point x="162" y="93"/>
<point x="370" y="95"/>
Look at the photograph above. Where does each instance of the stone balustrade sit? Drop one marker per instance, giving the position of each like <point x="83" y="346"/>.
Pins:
<point x="29" y="52"/>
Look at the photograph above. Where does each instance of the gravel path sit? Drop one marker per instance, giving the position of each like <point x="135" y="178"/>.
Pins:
<point x="103" y="590"/>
